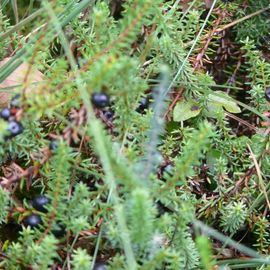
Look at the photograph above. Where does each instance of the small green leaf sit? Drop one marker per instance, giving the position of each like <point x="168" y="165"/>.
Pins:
<point x="213" y="110"/>
<point x="224" y="100"/>
<point x="185" y="109"/>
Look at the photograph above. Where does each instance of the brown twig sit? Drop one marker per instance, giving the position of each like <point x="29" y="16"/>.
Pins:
<point x="177" y="97"/>
<point x="222" y="14"/>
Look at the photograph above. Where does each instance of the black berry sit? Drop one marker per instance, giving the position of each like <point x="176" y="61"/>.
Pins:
<point x="5" y="113"/>
<point x="143" y="105"/>
<point x="40" y="202"/>
<point x="53" y="145"/>
<point x="100" y="100"/>
<point x="15" y="101"/>
<point x="108" y="115"/>
<point x="15" y="128"/>
<point x="59" y="230"/>
<point x="32" y="221"/>
<point x="267" y="94"/>
<point x="99" y="266"/>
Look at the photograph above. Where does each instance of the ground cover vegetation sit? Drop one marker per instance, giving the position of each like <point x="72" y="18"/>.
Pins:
<point x="134" y="134"/>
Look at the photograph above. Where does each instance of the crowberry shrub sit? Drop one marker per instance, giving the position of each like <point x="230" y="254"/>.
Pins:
<point x="144" y="124"/>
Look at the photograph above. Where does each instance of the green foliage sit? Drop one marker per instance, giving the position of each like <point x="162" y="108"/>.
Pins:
<point x="261" y="230"/>
<point x="205" y="250"/>
<point x="4" y="204"/>
<point x="259" y="74"/>
<point x="27" y="252"/>
<point x="191" y="154"/>
<point x="128" y="189"/>
<point x="4" y="23"/>
<point x="141" y="214"/>
<point x="233" y="216"/>
<point x="185" y="110"/>
<point x="81" y="260"/>
<point x="257" y="27"/>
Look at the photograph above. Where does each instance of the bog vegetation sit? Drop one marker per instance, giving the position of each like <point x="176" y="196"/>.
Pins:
<point x="134" y="134"/>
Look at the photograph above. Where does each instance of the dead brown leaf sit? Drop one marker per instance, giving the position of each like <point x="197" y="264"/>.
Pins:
<point x="18" y="77"/>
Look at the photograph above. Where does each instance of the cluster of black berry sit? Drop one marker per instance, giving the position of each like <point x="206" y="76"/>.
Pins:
<point x="101" y="100"/>
<point x="9" y="114"/>
<point x="40" y="204"/>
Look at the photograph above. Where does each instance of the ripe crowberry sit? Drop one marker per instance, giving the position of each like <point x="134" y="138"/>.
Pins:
<point x="53" y="145"/>
<point x="40" y="202"/>
<point x="15" y="128"/>
<point x="108" y="115"/>
<point x="100" y="100"/>
<point x="267" y="94"/>
<point x="59" y="230"/>
<point x="99" y="266"/>
<point x="143" y="104"/>
<point x="5" y="113"/>
<point x="32" y="221"/>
